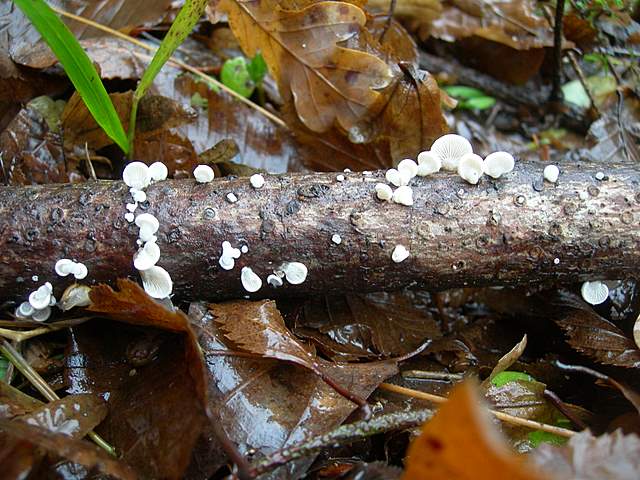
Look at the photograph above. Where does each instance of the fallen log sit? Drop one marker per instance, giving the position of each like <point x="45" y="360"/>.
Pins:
<point x="513" y="230"/>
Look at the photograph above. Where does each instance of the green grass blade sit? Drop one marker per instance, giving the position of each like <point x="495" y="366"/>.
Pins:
<point x="77" y="66"/>
<point x="181" y="27"/>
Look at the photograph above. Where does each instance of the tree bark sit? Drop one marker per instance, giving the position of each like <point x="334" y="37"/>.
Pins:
<point x="516" y="229"/>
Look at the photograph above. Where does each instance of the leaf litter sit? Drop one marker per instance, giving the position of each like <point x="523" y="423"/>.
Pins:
<point x="182" y="395"/>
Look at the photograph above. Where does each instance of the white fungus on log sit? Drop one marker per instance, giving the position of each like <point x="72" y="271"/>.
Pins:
<point x="136" y="175"/>
<point x="451" y="148"/>
<point x="41" y="315"/>
<point x="337" y="239"/>
<point x="403" y="195"/>
<point x="397" y="178"/>
<point x="148" y="225"/>
<point x="408" y="168"/>
<point x="384" y="192"/>
<point x="158" y="171"/>
<point x="294" y="272"/>
<point x="138" y="195"/>
<point x="63" y="267"/>
<point x="129" y="217"/>
<point x="203" y="174"/>
<point x="595" y="292"/>
<point x="231" y="197"/>
<point x="428" y="163"/>
<point x="551" y="173"/>
<point x="147" y="256"/>
<point x="470" y="168"/>
<point x="79" y="271"/>
<point x="250" y="281"/>
<point x="274" y="280"/>
<point x="41" y="297"/>
<point x="157" y="282"/>
<point x="229" y="254"/>
<point x="497" y="164"/>
<point x="399" y="254"/>
<point x="256" y="180"/>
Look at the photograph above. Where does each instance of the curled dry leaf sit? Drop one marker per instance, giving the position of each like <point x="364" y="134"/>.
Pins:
<point x="461" y="443"/>
<point x="328" y="83"/>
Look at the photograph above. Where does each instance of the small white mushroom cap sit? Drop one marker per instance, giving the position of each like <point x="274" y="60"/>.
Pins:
<point x="148" y="226"/>
<point x="25" y="310"/>
<point x="244" y="248"/>
<point x="294" y="272"/>
<point x="138" y="195"/>
<point x="428" y="163"/>
<point x="399" y="254"/>
<point x="451" y="148"/>
<point x="337" y="239"/>
<point x="551" y="173"/>
<point x="40" y="298"/>
<point x="397" y="178"/>
<point x="498" y="163"/>
<point x="63" y="267"/>
<point x="231" y="197"/>
<point x="595" y="292"/>
<point x="52" y="301"/>
<point x="41" y="315"/>
<point x="203" y="173"/>
<point x="403" y="195"/>
<point x="157" y="282"/>
<point x="229" y="251"/>
<point x="80" y="271"/>
<point x="147" y="256"/>
<point x="158" y="171"/>
<point x="136" y="175"/>
<point x="227" y="263"/>
<point x="75" y="296"/>
<point x="274" y="280"/>
<point x="384" y="192"/>
<point x="132" y="207"/>
<point x="129" y="217"/>
<point x="250" y="281"/>
<point x="256" y="180"/>
<point x="470" y="168"/>
<point x="340" y="178"/>
<point x="408" y="167"/>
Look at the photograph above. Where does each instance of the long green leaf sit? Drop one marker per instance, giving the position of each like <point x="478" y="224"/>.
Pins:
<point x="188" y="16"/>
<point x="78" y="67"/>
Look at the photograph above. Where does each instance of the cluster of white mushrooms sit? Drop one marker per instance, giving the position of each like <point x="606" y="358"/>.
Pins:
<point x="38" y="307"/>
<point x="155" y="279"/>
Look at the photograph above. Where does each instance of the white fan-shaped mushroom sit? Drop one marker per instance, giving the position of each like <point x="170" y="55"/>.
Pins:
<point x="399" y="254"/>
<point x="147" y="256"/>
<point x="274" y="280"/>
<point x="551" y="173"/>
<point x="294" y="272"/>
<point x="470" y="168"/>
<point x="408" y="168"/>
<point x="40" y="298"/>
<point x="136" y="175"/>
<point x="250" y="281"/>
<point x="158" y="171"/>
<point x="256" y="180"/>
<point x="203" y="174"/>
<point x="148" y="226"/>
<point x="403" y="195"/>
<point x="42" y="314"/>
<point x="157" y="282"/>
<point x="595" y="292"/>
<point x="428" y="163"/>
<point x="397" y="178"/>
<point x="63" y="267"/>
<point x="79" y="271"/>
<point x="138" y="196"/>
<point x="384" y="192"/>
<point x="25" y="310"/>
<point x="451" y="148"/>
<point x="498" y="163"/>
<point x="229" y="251"/>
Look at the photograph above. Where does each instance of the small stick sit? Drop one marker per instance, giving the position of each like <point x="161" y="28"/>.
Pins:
<point x="43" y="387"/>
<point x="505" y="417"/>
<point x="557" y="52"/>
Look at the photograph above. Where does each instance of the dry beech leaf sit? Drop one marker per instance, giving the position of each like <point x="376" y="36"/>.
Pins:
<point x="23" y="447"/>
<point x="593" y="335"/>
<point x="461" y="443"/>
<point x="328" y="83"/>
<point x="417" y="15"/>
<point x="612" y="456"/>
<point x="508" y="358"/>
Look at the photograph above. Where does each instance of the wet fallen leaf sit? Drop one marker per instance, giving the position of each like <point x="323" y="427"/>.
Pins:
<point x="23" y="447"/>
<point x="417" y="15"/>
<point x="593" y="335"/>
<point x="460" y="442"/>
<point x="13" y="402"/>
<point x="607" y="457"/>
<point x="368" y="326"/>
<point x="328" y="83"/>
<point x="267" y="404"/>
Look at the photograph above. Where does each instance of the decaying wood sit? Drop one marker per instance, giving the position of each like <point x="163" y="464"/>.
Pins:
<point x="512" y="230"/>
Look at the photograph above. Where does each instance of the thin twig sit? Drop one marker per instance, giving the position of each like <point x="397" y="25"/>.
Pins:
<point x="505" y="417"/>
<point x="557" y="52"/>
<point x="583" y="80"/>
<point x="387" y="25"/>
<point x="173" y="61"/>
<point x="17" y="336"/>
<point x="43" y="387"/>
<point x="343" y="435"/>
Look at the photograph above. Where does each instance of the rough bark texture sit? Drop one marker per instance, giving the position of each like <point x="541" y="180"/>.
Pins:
<point x="500" y="232"/>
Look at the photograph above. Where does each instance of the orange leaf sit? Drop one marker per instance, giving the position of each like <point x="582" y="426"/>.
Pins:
<point x="460" y="443"/>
